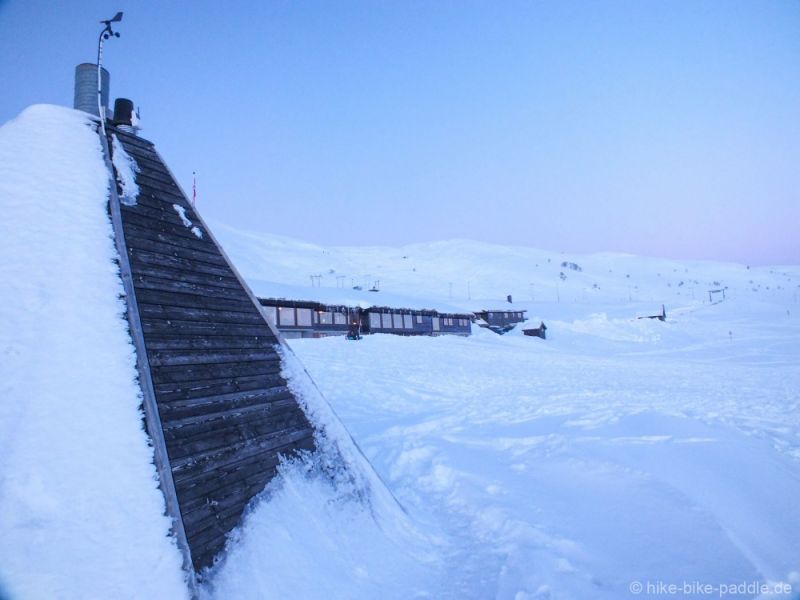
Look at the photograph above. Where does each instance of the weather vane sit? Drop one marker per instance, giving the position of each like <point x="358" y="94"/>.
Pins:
<point x="106" y="33"/>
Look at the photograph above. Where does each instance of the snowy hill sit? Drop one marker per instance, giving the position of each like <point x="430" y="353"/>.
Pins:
<point x="619" y="452"/>
<point x="474" y="275"/>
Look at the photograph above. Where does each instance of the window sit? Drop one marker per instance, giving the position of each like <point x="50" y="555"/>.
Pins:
<point x="271" y="313"/>
<point x="304" y="317"/>
<point x="398" y="320"/>
<point x="374" y="320"/>
<point x="435" y="322"/>
<point x="286" y="315"/>
<point x="340" y="318"/>
<point x="325" y="317"/>
<point x="387" y="320"/>
<point x="408" y="322"/>
<point x="419" y="318"/>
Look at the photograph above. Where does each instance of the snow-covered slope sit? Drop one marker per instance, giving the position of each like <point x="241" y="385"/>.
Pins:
<point x="81" y="515"/>
<point x="474" y="275"/>
<point x="621" y="452"/>
<point x="553" y="469"/>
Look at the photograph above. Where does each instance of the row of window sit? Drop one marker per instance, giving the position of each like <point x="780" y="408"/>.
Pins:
<point x="397" y="321"/>
<point x="506" y="315"/>
<point x="392" y="321"/>
<point x="287" y="316"/>
<point x="449" y="321"/>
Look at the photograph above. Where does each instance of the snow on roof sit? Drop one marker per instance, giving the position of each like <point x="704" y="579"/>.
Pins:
<point x="81" y="514"/>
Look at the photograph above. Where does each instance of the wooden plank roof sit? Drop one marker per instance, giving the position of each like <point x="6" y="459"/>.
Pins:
<point x="224" y="411"/>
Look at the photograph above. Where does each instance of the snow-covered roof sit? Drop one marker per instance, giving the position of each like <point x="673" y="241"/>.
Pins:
<point x="78" y="494"/>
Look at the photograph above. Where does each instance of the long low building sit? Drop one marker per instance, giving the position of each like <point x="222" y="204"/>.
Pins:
<point x="308" y="319"/>
<point x="500" y="320"/>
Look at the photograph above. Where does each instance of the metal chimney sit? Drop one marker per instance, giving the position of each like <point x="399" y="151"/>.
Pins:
<point x="86" y="88"/>
<point x="124" y="115"/>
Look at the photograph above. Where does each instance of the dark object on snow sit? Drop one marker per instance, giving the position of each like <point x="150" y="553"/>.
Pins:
<point x="661" y="317"/>
<point x="217" y="409"/>
<point x="539" y="331"/>
<point x="354" y="331"/>
<point x="500" y="321"/>
<point x="712" y="294"/>
<point x="510" y="301"/>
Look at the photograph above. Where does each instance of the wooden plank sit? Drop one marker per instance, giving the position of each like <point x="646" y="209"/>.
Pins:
<point x="160" y="312"/>
<point x="208" y="552"/>
<point x="145" y="237"/>
<point x="129" y="139"/>
<point x="191" y="408"/>
<point x="147" y="161"/>
<point x="231" y="478"/>
<point x="222" y="515"/>
<point x="224" y="489"/>
<point x="212" y="540"/>
<point x="196" y="467"/>
<point x="189" y="300"/>
<point x="164" y="220"/>
<point x="232" y="428"/>
<point x="158" y="179"/>
<point x="260" y="406"/>
<point x="190" y="277"/>
<point x="145" y="158"/>
<point x="147" y="256"/>
<point x="219" y="509"/>
<point x="169" y="358"/>
<point x="187" y="342"/>
<point x="161" y="205"/>
<point x="221" y="440"/>
<point x="153" y="189"/>
<point x="150" y="243"/>
<point x="144" y="281"/>
<point x="211" y="517"/>
<point x="199" y="373"/>
<point x="158" y="203"/>
<point x="170" y="391"/>
<point x="220" y="484"/>
<point x="167" y="329"/>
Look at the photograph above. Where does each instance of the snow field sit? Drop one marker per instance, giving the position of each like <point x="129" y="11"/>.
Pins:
<point x="552" y="470"/>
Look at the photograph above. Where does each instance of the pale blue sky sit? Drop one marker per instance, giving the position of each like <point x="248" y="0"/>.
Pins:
<point x="659" y="128"/>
